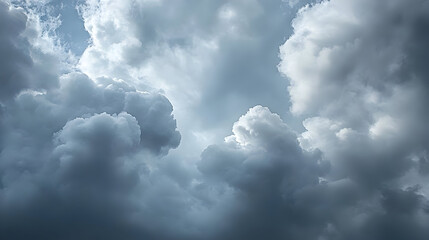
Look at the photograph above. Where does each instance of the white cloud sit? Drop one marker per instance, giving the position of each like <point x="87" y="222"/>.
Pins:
<point x="347" y="70"/>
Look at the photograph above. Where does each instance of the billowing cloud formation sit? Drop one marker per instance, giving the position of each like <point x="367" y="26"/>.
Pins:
<point x="356" y="73"/>
<point x="263" y="164"/>
<point x="70" y="153"/>
<point x="68" y="150"/>
<point x="87" y="155"/>
<point x="195" y="51"/>
<point x="280" y="192"/>
<point x="24" y="53"/>
<point x="362" y="79"/>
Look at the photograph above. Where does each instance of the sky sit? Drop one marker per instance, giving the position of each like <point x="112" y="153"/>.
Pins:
<point x="203" y="119"/>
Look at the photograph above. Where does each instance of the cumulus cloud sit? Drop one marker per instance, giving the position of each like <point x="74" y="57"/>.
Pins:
<point x="75" y="152"/>
<point x="264" y="165"/>
<point x="86" y="151"/>
<point x="71" y="147"/>
<point x="356" y="76"/>
<point x="280" y="190"/>
<point x="195" y="52"/>
<point x="354" y="69"/>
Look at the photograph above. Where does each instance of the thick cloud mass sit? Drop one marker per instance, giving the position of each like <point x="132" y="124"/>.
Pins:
<point x="87" y="146"/>
<point x="69" y="151"/>
<point x="12" y="23"/>
<point x="265" y="168"/>
<point x="280" y="191"/>
<point x="362" y="80"/>
<point x="26" y="50"/>
<point x="357" y="76"/>
<point x="195" y="51"/>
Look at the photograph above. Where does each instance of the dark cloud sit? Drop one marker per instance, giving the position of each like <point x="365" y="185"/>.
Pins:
<point x="264" y="165"/>
<point x="13" y="68"/>
<point x="32" y="118"/>
<point x="89" y="150"/>
<point x="69" y="153"/>
<point x="280" y="192"/>
<point x="154" y="116"/>
<point x="27" y="50"/>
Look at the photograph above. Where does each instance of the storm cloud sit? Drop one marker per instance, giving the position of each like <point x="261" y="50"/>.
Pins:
<point x="215" y="120"/>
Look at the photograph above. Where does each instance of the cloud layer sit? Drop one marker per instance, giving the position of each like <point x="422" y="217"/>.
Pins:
<point x="90" y="149"/>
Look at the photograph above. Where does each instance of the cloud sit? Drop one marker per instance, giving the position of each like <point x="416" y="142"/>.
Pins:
<point x="266" y="168"/>
<point x="356" y="76"/>
<point x="13" y="77"/>
<point x="355" y="72"/>
<point x="29" y="45"/>
<point x="87" y="151"/>
<point x="279" y="190"/>
<point x="72" y="149"/>
<point x="195" y="52"/>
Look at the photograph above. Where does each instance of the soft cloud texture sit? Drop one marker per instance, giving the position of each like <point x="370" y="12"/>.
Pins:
<point x="264" y="166"/>
<point x="195" y="51"/>
<point x="25" y="52"/>
<point x="362" y="79"/>
<point x="356" y="75"/>
<point x="89" y="148"/>
<point x="69" y="146"/>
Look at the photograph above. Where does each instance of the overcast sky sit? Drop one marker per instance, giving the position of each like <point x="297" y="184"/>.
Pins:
<point x="214" y="119"/>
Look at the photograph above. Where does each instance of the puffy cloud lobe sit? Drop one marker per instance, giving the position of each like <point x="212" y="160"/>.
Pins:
<point x="79" y="96"/>
<point x="154" y="116"/>
<point x="381" y="67"/>
<point x="266" y="168"/>
<point x="352" y="54"/>
<point x="83" y="186"/>
<point x="354" y="71"/>
<point x="69" y="157"/>
<point x="261" y="142"/>
<point x="90" y="151"/>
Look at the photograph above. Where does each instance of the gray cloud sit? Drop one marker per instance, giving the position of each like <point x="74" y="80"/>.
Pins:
<point x="71" y="152"/>
<point x="264" y="165"/>
<point x="13" y="70"/>
<point x="28" y="47"/>
<point x="89" y="155"/>
<point x="356" y="76"/>
<point x="89" y="150"/>
<point x="361" y="82"/>
<point x="279" y="191"/>
<point x="195" y="51"/>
